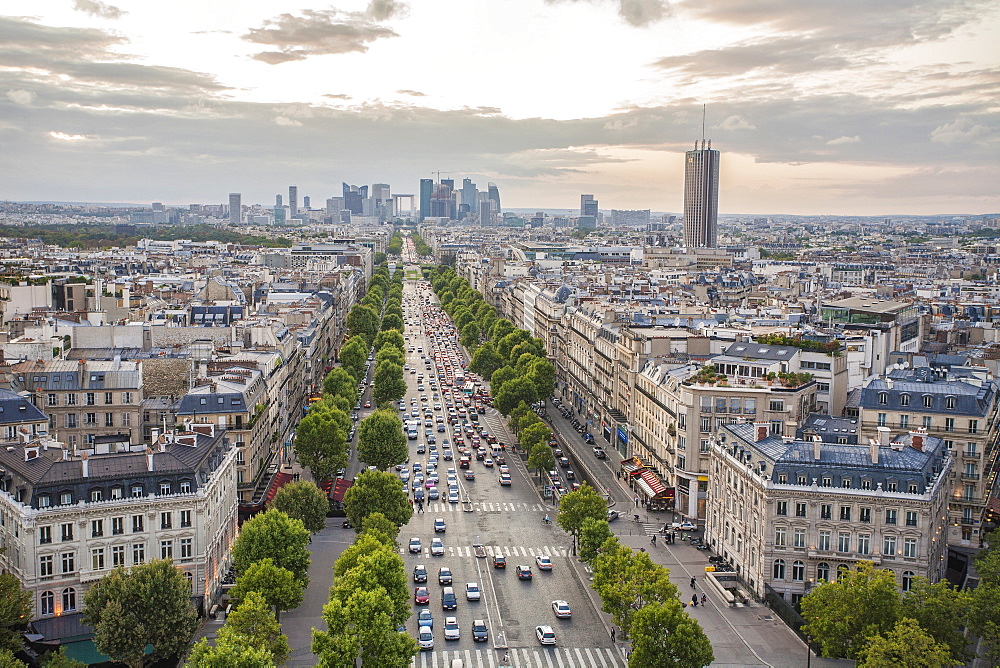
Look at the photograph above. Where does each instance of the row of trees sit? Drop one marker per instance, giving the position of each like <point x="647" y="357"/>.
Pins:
<point x="395" y="245"/>
<point x="862" y="615"/>
<point x="420" y="245"/>
<point x="636" y="592"/>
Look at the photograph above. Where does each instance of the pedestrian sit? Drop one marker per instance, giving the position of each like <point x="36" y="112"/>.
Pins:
<point x="612" y="634"/>
<point x="694" y="600"/>
<point x="704" y="598"/>
<point x="692" y="582"/>
<point x="637" y="502"/>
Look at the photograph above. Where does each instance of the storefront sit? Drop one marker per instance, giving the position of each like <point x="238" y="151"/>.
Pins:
<point x="648" y="487"/>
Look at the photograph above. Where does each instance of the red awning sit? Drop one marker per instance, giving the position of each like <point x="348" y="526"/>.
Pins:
<point x="341" y="486"/>
<point x="655" y="484"/>
<point x="280" y="480"/>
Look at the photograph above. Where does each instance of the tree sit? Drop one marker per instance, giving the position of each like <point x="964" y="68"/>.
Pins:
<point x="525" y="420"/>
<point x="353" y="355"/>
<point x="340" y="382"/>
<point x="377" y="492"/>
<point x="303" y="500"/>
<point x="361" y="626"/>
<point x="905" y="645"/>
<point x="389" y="383"/>
<point x="389" y="337"/>
<point x="58" y="659"/>
<point x="531" y="347"/>
<point x="577" y="506"/>
<point x="380" y="568"/>
<point x="984" y="607"/>
<point x="273" y="534"/>
<point x="15" y="611"/>
<point x="501" y="376"/>
<point x="320" y="442"/>
<point x="392" y="354"/>
<point x="8" y="660"/>
<point x="278" y="586"/>
<point x="392" y="321"/>
<point x="227" y="654"/>
<point x="542" y="375"/>
<point x="513" y="392"/>
<point x="627" y="580"/>
<point x="366" y="544"/>
<point x="252" y="624"/>
<point x="501" y="328"/>
<point x="507" y="343"/>
<point x="485" y="360"/>
<point x="664" y="635"/>
<point x="537" y="433"/>
<point x="593" y="534"/>
<point x="941" y="611"/>
<point x="541" y="459"/>
<point x="149" y="604"/>
<point x="381" y="441"/>
<point x="843" y="614"/>
<point x="470" y="334"/>
<point x="363" y="321"/>
<point x="377" y="524"/>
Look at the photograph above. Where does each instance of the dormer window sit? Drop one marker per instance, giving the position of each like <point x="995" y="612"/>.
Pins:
<point x="928" y="401"/>
<point x="904" y="400"/>
<point x="44" y="501"/>
<point x="949" y="403"/>
<point x="66" y="498"/>
<point x="883" y="398"/>
<point x="204" y="401"/>
<point x="136" y="491"/>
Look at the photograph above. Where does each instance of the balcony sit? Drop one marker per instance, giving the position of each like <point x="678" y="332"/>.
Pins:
<point x="970" y="476"/>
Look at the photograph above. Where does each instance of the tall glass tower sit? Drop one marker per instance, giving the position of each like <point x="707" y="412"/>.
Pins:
<point x="701" y="196"/>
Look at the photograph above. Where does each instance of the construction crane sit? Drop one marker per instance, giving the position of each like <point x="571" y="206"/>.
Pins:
<point x="440" y="172"/>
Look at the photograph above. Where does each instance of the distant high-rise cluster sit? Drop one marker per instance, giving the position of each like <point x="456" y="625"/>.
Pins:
<point x="701" y="196"/>
<point x="442" y="199"/>
<point x="235" y="209"/>
<point x="588" y="206"/>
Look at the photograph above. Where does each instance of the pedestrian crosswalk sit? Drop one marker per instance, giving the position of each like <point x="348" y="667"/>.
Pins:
<point x="524" y="657"/>
<point x="485" y="507"/>
<point x="504" y="550"/>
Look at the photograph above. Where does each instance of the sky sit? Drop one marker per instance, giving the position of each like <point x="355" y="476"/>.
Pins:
<point x="834" y="107"/>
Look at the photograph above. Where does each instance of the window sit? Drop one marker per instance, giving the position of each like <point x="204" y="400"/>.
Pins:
<point x="782" y="480"/>
<point x="48" y="603"/>
<point x="801" y="480"/>
<point x="889" y="546"/>
<point x="44" y="500"/>
<point x="69" y="599"/>
<point x="68" y="562"/>
<point x="799" y="539"/>
<point x="97" y="559"/>
<point x="973" y="426"/>
<point x="126" y="419"/>
<point x="844" y="542"/>
<point x="96" y="528"/>
<point x="949" y="403"/>
<point x="911" y="518"/>
<point x="926" y="421"/>
<point x="779" y="536"/>
<point x="71" y="400"/>
<point x="928" y="401"/>
<point x="845" y="513"/>
<point x="187" y="549"/>
<point x="845" y="483"/>
<point x="882" y="419"/>
<point x="883" y="398"/>
<point x="827" y="481"/>
<point x="164" y="488"/>
<point x="891" y="486"/>
<point x="66" y="498"/>
<point x="44" y="535"/>
<point x="136" y="490"/>
<point x="166" y="520"/>
<point x="109" y="398"/>
<point x="137" y="524"/>
<point x="138" y="553"/>
<point x="185" y="518"/>
<point x="71" y="420"/>
<point x="109" y="419"/>
<point x="51" y="400"/>
<point x="904" y="421"/>
<point x="166" y="549"/>
<point x="949" y="424"/>
<point x="117" y="492"/>
<point x="865" y="515"/>
<point x="822" y="571"/>
<point x="890" y="515"/>
<point x="67" y="531"/>
<point x="798" y="571"/>
<point x="91" y="399"/>
<point x="904" y="400"/>
<point x="800" y="510"/>
<point x="91" y="419"/>
<point x="779" y="569"/>
<point x="126" y="397"/>
<point x="706" y="424"/>
<point x="907" y="580"/>
<point x="117" y="556"/>
<point x="866" y="483"/>
<point x="864" y="543"/>
<point x="824" y="540"/>
<point x="776" y="405"/>
<point x="782" y="508"/>
<point x="910" y="548"/>
<point x="185" y="486"/>
<point x="117" y="526"/>
<point x="825" y="511"/>
<point x="45" y="565"/>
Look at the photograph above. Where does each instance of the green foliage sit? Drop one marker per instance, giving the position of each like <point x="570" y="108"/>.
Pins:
<point x="378" y="525"/>
<point x="381" y="441"/>
<point x="380" y="568"/>
<point x="577" y="506"/>
<point x="225" y="654"/>
<point x="513" y="392"/>
<point x="501" y="328"/>
<point x="361" y="626"/>
<point x="542" y="375"/>
<point x="392" y="321"/>
<point x="15" y="611"/>
<point x="663" y="634"/>
<point x="485" y="360"/>
<point x="8" y="660"/>
<point x="843" y="614"/>
<point x="58" y="659"/>
<point x="419" y="245"/>
<point x="778" y="339"/>
<point x="941" y="611"/>
<point x="541" y="459"/>
<point x="984" y="608"/>
<point x="627" y="580"/>
<point x="377" y="492"/>
<point x="88" y="235"/>
<point x="276" y="585"/>
<point x="390" y="353"/>
<point x="389" y="337"/>
<point x="501" y="376"/>
<point x="506" y="344"/>
<point x="303" y="500"/>
<point x="321" y="441"/>
<point x="905" y="645"/>
<point x="273" y="534"/>
<point x="149" y="604"/>
<point x="389" y="383"/>
<point x="353" y="357"/>
<point x="363" y="321"/>
<point x="536" y="434"/>
<point x="339" y="382"/>
<point x="252" y="624"/>
<point x="470" y="334"/>
<point x="593" y="534"/>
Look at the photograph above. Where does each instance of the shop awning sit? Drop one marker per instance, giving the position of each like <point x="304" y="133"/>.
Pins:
<point x="339" y="488"/>
<point x="632" y="466"/>
<point x="654" y="483"/>
<point x="280" y="480"/>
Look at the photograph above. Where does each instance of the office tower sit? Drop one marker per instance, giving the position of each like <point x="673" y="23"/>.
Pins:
<point x="443" y="200"/>
<point x="334" y="206"/>
<point x="470" y="195"/>
<point x="486" y="210"/>
<point x="305" y="202"/>
<point x="494" y="195"/>
<point x="279" y="215"/>
<point x="588" y="206"/>
<point x="235" y="209"/>
<point x="158" y="206"/>
<point x="426" y="190"/>
<point x="277" y="200"/>
<point x="381" y="193"/>
<point x="701" y="196"/>
<point x="293" y="200"/>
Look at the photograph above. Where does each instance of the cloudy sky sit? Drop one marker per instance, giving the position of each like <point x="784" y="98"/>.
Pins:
<point x="854" y="107"/>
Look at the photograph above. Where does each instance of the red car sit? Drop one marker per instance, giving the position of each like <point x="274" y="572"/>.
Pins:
<point x="421" y="596"/>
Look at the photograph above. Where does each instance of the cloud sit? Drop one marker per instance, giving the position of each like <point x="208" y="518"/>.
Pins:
<point x="288" y="122"/>
<point x="638" y="13"/>
<point x="844" y="140"/>
<point x="99" y="9"/>
<point x="383" y="10"/>
<point x="735" y="122"/>
<point x="321" y="32"/>
<point x="336" y="96"/>
<point x="961" y="131"/>
<point x="414" y="93"/>
<point x="62" y="136"/>
<point x="22" y="97"/>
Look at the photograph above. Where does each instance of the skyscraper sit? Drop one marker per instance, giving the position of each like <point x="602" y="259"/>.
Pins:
<point x="426" y="190"/>
<point x="293" y="200"/>
<point x="277" y="200"/>
<point x="306" y="203"/>
<point x="701" y="196"/>
<point x="588" y="206"/>
<point x="235" y="209"/>
<point x="494" y="194"/>
<point x="470" y="196"/>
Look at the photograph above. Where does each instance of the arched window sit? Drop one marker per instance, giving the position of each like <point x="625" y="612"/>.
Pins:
<point x="883" y="398"/>
<point x="48" y="603"/>
<point x="68" y="599"/>
<point x="822" y="571"/>
<point x="842" y="571"/>
<point x="779" y="569"/>
<point x="907" y="580"/>
<point x="798" y="571"/>
<point x="904" y="400"/>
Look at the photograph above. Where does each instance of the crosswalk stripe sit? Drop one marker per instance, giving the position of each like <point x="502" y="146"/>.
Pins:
<point x="434" y="660"/>
<point x="579" y="654"/>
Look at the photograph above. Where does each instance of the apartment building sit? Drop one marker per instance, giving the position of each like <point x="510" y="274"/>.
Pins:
<point x="788" y="513"/>
<point x="959" y="406"/>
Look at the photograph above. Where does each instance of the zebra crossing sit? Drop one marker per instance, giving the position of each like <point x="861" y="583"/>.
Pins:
<point x="504" y="550"/>
<point x="484" y="507"/>
<point x="524" y="657"/>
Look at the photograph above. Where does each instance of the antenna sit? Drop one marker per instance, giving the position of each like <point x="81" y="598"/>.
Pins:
<point x="703" y="124"/>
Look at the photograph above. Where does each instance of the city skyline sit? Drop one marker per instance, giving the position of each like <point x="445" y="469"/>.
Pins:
<point x="881" y="110"/>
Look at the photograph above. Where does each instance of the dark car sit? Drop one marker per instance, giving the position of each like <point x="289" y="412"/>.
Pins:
<point x="564" y="462"/>
<point x="524" y="572"/>
<point x="499" y="561"/>
<point x="419" y="573"/>
<point x="600" y="454"/>
<point x="479" y="631"/>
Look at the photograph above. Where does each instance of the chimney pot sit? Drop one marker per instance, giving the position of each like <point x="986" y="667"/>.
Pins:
<point x="762" y="430"/>
<point x="874" y="450"/>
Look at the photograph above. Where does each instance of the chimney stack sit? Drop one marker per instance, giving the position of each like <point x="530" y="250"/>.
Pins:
<point x="817" y="447"/>
<point x="873" y="447"/>
<point x="149" y="459"/>
<point x="883" y="435"/>
<point x="86" y="464"/>
<point x="762" y="430"/>
<point x="917" y="438"/>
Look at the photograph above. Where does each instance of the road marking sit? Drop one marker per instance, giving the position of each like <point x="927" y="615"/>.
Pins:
<point x="434" y="660"/>
<point x="579" y="655"/>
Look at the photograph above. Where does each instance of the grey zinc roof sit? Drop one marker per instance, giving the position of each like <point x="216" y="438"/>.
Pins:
<point x="761" y="351"/>
<point x="15" y="409"/>
<point x="232" y="402"/>
<point x="970" y="399"/>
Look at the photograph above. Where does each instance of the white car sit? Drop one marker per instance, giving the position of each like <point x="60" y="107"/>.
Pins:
<point x="544" y="563"/>
<point x="437" y="548"/>
<point x="545" y="635"/>
<point x="451" y="631"/>
<point x="415" y="546"/>
<point x="425" y="638"/>
<point x="561" y="608"/>
<point x="472" y="592"/>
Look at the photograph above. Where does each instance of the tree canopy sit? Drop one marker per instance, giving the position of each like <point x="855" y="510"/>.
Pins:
<point x="276" y="585"/>
<point x="381" y="441"/>
<point x="273" y="534"/>
<point x="577" y="506"/>
<point x="663" y="635"/>
<point x="303" y="500"/>
<point x="377" y="492"/>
